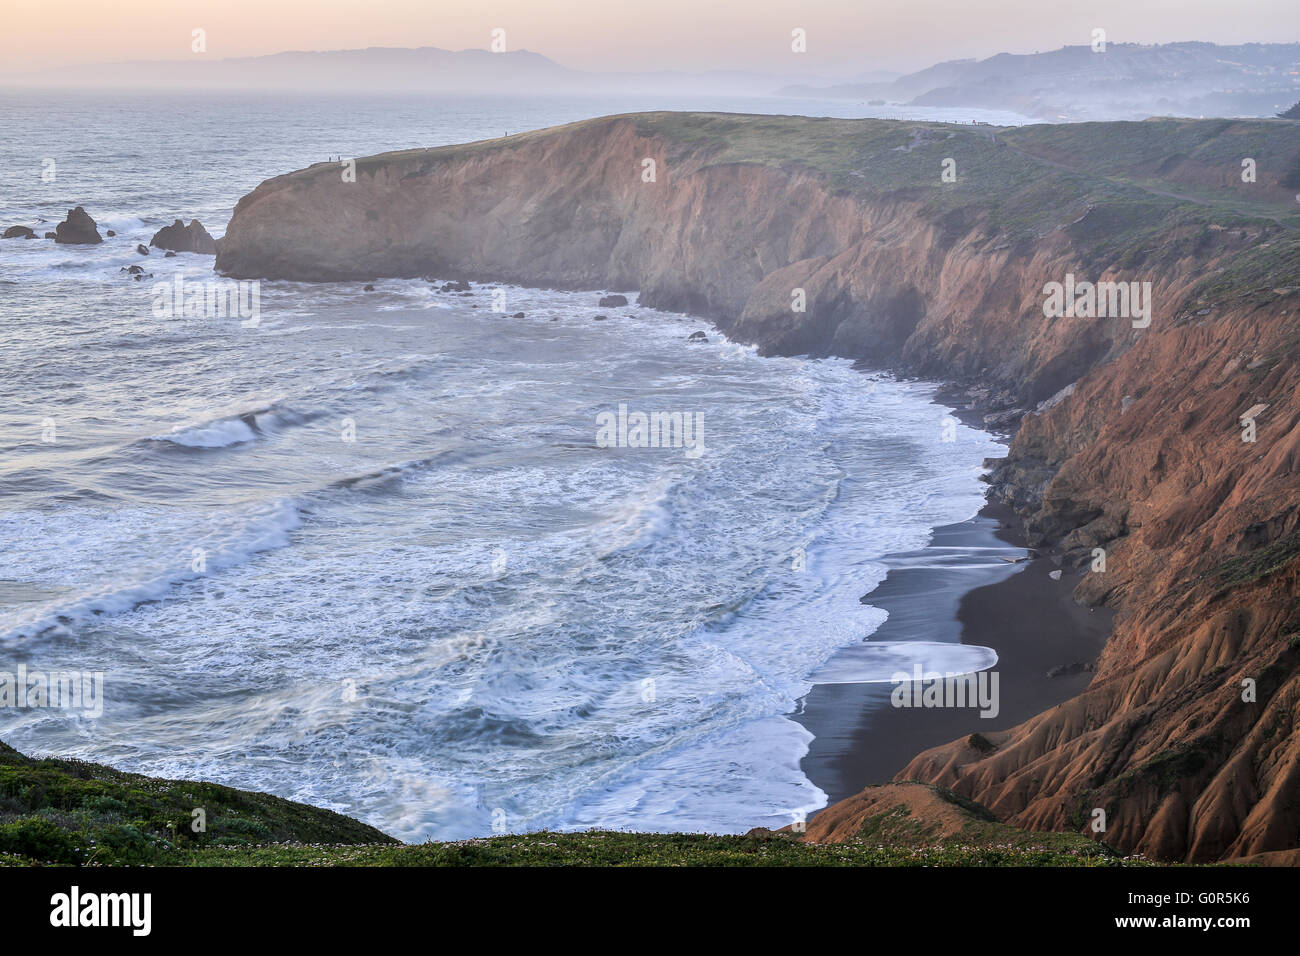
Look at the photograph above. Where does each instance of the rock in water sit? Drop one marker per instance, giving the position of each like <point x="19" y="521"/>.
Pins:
<point x="77" y="228"/>
<point x="142" y="249"/>
<point x="1004" y="419"/>
<point x="182" y="238"/>
<point x="697" y="337"/>
<point x="612" y="301"/>
<point x="18" y="232"/>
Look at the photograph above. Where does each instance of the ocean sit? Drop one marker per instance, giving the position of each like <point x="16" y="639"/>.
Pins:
<point x="371" y="551"/>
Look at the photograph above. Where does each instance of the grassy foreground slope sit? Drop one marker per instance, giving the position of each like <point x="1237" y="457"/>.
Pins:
<point x="611" y="848"/>
<point x="71" y="813"/>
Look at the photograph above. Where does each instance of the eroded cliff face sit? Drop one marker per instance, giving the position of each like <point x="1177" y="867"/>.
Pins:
<point x="886" y="277"/>
<point x="1144" y="458"/>
<point x="1199" y="530"/>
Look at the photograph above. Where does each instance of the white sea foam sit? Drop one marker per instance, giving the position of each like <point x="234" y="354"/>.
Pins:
<point x="218" y="434"/>
<point x="493" y="589"/>
<point x="878" y="662"/>
<point x="111" y="561"/>
<point x="530" y="672"/>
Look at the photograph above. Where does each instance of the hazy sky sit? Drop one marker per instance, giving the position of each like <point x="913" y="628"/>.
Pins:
<point x="843" y="35"/>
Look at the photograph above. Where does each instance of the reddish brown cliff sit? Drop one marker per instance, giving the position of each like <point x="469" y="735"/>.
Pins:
<point x="1201" y="533"/>
<point x="1144" y="458"/>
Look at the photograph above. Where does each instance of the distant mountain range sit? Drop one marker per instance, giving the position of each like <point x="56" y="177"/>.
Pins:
<point x="1126" y="81"/>
<point x="405" y="70"/>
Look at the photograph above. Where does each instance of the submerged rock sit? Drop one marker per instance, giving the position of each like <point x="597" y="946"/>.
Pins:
<point x="1065" y="670"/>
<point x="612" y="301"/>
<point x="182" y="238"/>
<point x="1005" y="419"/>
<point x="17" y="232"/>
<point x="77" y="229"/>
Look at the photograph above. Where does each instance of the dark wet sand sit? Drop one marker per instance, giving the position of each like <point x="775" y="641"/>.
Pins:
<point x="1016" y="609"/>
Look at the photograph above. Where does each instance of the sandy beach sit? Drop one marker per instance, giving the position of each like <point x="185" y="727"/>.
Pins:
<point x="957" y="586"/>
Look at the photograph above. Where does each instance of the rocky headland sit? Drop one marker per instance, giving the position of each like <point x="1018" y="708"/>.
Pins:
<point x="1158" y="451"/>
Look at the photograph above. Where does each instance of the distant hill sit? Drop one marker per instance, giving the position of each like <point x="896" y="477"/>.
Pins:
<point x="1127" y="81"/>
<point x="398" y="69"/>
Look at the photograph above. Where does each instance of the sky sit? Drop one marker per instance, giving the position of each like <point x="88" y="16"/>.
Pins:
<point x="843" y="36"/>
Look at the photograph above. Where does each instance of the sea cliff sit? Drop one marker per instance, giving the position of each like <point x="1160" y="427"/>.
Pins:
<point x="928" y="249"/>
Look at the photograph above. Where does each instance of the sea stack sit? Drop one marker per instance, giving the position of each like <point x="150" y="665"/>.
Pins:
<point x="77" y="229"/>
<point x="179" y="237"/>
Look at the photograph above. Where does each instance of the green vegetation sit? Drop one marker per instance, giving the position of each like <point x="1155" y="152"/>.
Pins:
<point x="68" y="811"/>
<point x="896" y="830"/>
<point x="1256" y="272"/>
<point x="609" y="848"/>
<point x="1168" y="768"/>
<point x="1032" y="178"/>
<point x="1259" y="563"/>
<point x="1020" y="197"/>
<point x="1194" y="160"/>
<point x="1132" y="196"/>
